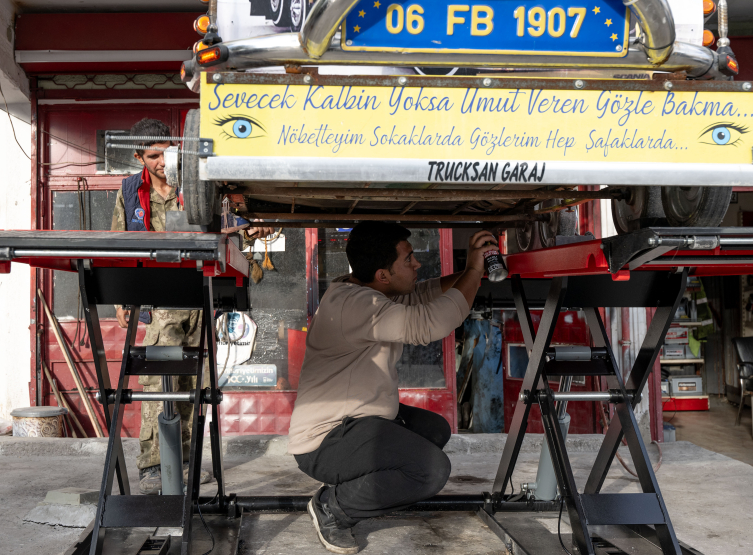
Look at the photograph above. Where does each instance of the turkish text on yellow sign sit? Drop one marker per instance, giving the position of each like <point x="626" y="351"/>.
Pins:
<point x="477" y="124"/>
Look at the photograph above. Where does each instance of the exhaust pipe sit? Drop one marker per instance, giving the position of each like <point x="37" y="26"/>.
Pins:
<point x="657" y="26"/>
<point x="317" y="44"/>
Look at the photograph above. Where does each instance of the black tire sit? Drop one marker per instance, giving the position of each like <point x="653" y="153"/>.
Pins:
<point x="277" y="12"/>
<point x="695" y="206"/>
<point x="525" y="237"/>
<point x="641" y="208"/>
<point x="200" y="197"/>
<point x="562" y="222"/>
<point x="297" y="11"/>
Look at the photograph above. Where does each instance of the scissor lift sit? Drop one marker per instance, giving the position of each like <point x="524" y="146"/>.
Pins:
<point x="647" y="268"/>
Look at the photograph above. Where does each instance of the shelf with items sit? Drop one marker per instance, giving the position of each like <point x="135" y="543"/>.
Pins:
<point x="683" y="353"/>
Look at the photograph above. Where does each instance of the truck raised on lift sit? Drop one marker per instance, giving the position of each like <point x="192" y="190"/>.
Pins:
<point x="459" y="115"/>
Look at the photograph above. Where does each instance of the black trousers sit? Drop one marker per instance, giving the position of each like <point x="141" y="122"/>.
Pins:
<point x="377" y="465"/>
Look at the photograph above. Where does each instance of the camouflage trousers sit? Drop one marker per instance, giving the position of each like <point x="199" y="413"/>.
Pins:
<point x="169" y="328"/>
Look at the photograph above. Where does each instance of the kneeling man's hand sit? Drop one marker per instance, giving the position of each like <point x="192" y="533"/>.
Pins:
<point x="476" y="249"/>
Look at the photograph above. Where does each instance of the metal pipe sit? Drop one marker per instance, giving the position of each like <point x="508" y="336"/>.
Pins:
<point x="173" y="396"/>
<point x="658" y="26"/>
<point x="400" y="195"/>
<point x="297" y="503"/>
<point x="46" y="253"/>
<point x="167" y="404"/>
<point x="565" y="397"/>
<point x="130" y="396"/>
<point x="275" y="217"/>
<point x="723" y="24"/>
<point x="625" y="342"/>
<point x="566" y="383"/>
<point x="61" y="253"/>
<point x="285" y="48"/>
<point x="322" y="23"/>
<point x="735" y="241"/>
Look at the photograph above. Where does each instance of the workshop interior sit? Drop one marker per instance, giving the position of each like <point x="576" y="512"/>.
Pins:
<point x="603" y="376"/>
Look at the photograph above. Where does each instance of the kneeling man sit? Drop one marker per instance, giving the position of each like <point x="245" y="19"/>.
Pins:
<point x="348" y="429"/>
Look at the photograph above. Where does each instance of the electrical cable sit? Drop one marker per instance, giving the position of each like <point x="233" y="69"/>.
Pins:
<point x="198" y="507"/>
<point x="675" y="405"/>
<point x="559" y="521"/>
<point x="10" y="119"/>
<point x="605" y="424"/>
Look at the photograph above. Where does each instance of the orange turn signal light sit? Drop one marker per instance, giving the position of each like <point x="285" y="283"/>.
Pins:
<point x="732" y="65"/>
<point x="199" y="46"/>
<point x="183" y="71"/>
<point x="209" y="55"/>
<point x="201" y="24"/>
<point x="708" y="38"/>
<point x="709" y="7"/>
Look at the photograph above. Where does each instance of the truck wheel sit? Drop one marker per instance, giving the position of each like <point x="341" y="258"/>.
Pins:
<point x="641" y="208"/>
<point x="525" y="237"/>
<point x="297" y="11"/>
<point x="276" y="9"/>
<point x="562" y="222"/>
<point x="199" y="196"/>
<point x="695" y="206"/>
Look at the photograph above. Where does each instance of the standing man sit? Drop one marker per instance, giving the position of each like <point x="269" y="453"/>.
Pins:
<point x="141" y="205"/>
<point x="348" y="428"/>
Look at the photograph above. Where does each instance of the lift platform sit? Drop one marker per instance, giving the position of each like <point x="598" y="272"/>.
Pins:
<point x="646" y="268"/>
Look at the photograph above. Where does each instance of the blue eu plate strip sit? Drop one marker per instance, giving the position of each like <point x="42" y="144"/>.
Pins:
<point x="592" y="28"/>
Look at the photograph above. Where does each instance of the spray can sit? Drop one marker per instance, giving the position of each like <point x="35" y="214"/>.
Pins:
<point x="495" y="266"/>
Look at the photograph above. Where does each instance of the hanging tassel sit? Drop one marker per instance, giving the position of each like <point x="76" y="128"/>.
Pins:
<point x="256" y="272"/>
<point x="267" y="264"/>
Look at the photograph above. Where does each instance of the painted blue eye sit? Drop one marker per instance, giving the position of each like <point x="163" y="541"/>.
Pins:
<point x="721" y="135"/>
<point x="239" y="126"/>
<point x="242" y="128"/>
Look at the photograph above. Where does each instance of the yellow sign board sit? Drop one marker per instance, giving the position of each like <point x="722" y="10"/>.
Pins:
<point x="341" y="122"/>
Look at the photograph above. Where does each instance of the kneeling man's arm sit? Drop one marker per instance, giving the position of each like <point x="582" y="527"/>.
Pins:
<point x="369" y="318"/>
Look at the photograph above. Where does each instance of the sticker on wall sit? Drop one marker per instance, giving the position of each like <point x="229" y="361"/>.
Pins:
<point x="241" y="329"/>
<point x="250" y="375"/>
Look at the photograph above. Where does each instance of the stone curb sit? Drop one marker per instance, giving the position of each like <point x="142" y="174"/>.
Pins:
<point x="270" y="445"/>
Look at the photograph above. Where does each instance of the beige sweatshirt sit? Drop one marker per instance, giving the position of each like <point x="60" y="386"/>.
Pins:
<point x="355" y="340"/>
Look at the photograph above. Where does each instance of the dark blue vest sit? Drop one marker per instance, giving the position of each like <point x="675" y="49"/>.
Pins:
<point x="135" y="218"/>
<point x="133" y="210"/>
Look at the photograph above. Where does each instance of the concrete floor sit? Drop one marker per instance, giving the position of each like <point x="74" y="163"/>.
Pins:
<point x="709" y="497"/>
<point x="715" y="429"/>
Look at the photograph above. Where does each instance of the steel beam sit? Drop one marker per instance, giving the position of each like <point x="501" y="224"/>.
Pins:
<point x="402" y="195"/>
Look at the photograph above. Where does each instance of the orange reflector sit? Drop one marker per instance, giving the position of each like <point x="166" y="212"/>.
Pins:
<point x="183" y="71"/>
<point x="209" y="55"/>
<point x="732" y="64"/>
<point x="709" y="7"/>
<point x="201" y="24"/>
<point x="708" y="38"/>
<point x="199" y="46"/>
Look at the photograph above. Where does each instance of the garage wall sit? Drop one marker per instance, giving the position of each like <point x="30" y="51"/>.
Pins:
<point x="15" y="213"/>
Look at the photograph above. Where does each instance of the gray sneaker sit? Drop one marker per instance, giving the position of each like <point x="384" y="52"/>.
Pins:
<point x="334" y="538"/>
<point x="150" y="480"/>
<point x="204" y="478"/>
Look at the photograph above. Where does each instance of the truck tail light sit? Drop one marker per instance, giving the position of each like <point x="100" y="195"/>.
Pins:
<point x="209" y="56"/>
<point x="201" y="24"/>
